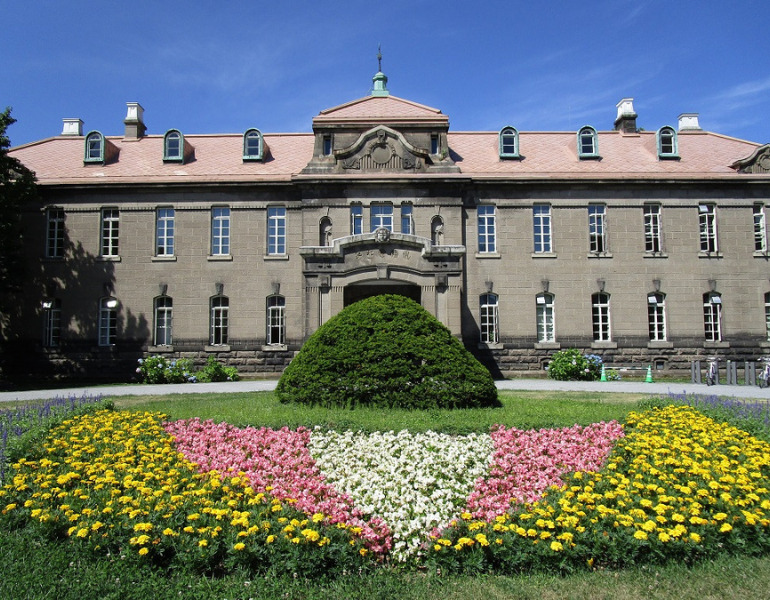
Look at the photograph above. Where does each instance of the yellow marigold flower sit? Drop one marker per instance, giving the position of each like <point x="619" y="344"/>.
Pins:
<point x="437" y="547"/>
<point x="143" y="551"/>
<point x="640" y="535"/>
<point x="720" y="516"/>
<point x="695" y="537"/>
<point x="270" y="539"/>
<point x="203" y="543"/>
<point x="466" y="516"/>
<point x="481" y="539"/>
<point x="311" y="535"/>
<point x="725" y="528"/>
<point x="82" y="533"/>
<point x="318" y="517"/>
<point x="363" y="551"/>
<point x="557" y="546"/>
<point x="239" y="546"/>
<point x="664" y="537"/>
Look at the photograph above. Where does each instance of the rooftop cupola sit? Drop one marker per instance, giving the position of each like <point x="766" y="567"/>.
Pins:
<point x="625" y="122"/>
<point x="380" y="80"/>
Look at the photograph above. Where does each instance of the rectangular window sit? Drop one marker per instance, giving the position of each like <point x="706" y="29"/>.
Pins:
<point x="597" y="228"/>
<point x="652" y="238"/>
<point x="54" y="247"/>
<point x="488" y="319"/>
<point x="760" y="233"/>
<point x="712" y="317"/>
<point x="276" y="321"/>
<point x="406" y="218"/>
<point x="545" y="320"/>
<point x="164" y="232"/>
<point x="276" y="230"/>
<point x="327" y="145"/>
<point x="108" y="322"/>
<point x="51" y="323"/>
<point x="381" y="216"/>
<point x="541" y="218"/>
<point x="220" y="309"/>
<point x="600" y="312"/>
<point x="110" y="226"/>
<point x="486" y="229"/>
<point x="767" y="316"/>
<point x="707" y="221"/>
<point x="163" y="321"/>
<point x="656" y="317"/>
<point x="220" y="231"/>
<point x="356" y="219"/>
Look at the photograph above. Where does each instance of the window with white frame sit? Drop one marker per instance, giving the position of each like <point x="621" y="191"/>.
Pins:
<point x="600" y="316"/>
<point x="712" y="316"/>
<point x="667" y="143"/>
<point x="252" y="145"/>
<point x="545" y="318"/>
<point x="656" y="316"/>
<point x="407" y="225"/>
<point x="509" y="142"/>
<point x="51" y="323"/>
<point x="488" y="319"/>
<point x="94" y="148"/>
<point x="276" y="320"/>
<point x="381" y="215"/>
<point x="108" y="321"/>
<point x="356" y="219"/>
<point x="276" y="230"/>
<point x="597" y="228"/>
<point x="220" y="231"/>
<point x="767" y="316"/>
<point x="164" y="307"/>
<point x="760" y="231"/>
<point x="588" y="144"/>
<point x="110" y="231"/>
<point x="707" y="222"/>
<point x="652" y="236"/>
<point x="54" y="245"/>
<point x="541" y="220"/>
<point x="486" y="229"/>
<point x="220" y="312"/>
<point x="173" y="146"/>
<point x="164" y="232"/>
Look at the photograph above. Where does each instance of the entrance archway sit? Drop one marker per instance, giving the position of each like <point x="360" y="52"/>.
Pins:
<point x="366" y="289"/>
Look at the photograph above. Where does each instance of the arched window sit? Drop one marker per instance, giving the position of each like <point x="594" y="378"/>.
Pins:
<point x="252" y="145"/>
<point x="587" y="143"/>
<point x="163" y="319"/>
<point x="325" y="232"/>
<point x="600" y="316"/>
<point x="656" y="316"/>
<point x="545" y="318"/>
<point x="668" y="146"/>
<point x="220" y="312"/>
<point x="94" y="148"/>
<point x="437" y="231"/>
<point x="173" y="146"/>
<point x="509" y="142"/>
<point x="276" y="320"/>
<point x="488" y="319"/>
<point x="712" y="316"/>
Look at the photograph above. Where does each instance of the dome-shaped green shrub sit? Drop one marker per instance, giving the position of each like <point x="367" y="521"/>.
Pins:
<point x="386" y="351"/>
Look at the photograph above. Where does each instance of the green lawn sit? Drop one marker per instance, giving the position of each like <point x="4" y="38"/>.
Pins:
<point x="36" y="568"/>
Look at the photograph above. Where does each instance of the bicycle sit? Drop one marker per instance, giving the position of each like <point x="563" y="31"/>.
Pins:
<point x="763" y="377"/>
<point x="712" y="375"/>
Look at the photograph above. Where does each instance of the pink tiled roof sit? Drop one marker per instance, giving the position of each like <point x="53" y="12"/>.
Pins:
<point x="381" y="108"/>
<point x="545" y="155"/>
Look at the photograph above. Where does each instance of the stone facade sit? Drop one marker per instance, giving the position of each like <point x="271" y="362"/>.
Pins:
<point x="382" y="197"/>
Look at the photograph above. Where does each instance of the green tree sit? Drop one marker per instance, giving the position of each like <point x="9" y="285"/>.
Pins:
<point x="386" y="351"/>
<point x="17" y="188"/>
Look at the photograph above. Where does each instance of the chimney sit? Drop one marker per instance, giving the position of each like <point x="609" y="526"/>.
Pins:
<point x="72" y="127"/>
<point x="626" y="119"/>
<point x="689" y="122"/>
<point x="134" y="121"/>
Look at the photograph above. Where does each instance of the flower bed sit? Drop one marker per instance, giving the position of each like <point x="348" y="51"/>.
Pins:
<point x="677" y="486"/>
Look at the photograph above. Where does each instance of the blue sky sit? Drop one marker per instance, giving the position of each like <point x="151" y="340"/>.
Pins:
<point x="222" y="67"/>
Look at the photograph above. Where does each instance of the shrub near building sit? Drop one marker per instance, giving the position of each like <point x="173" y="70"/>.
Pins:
<point x="386" y="351"/>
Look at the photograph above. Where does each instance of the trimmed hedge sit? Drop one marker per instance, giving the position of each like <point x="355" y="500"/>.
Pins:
<point x="386" y="351"/>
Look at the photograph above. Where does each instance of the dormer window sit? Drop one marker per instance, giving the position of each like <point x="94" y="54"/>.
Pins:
<point x="94" y="152"/>
<point x="509" y="143"/>
<point x="327" y="145"/>
<point x="252" y="145"/>
<point x="434" y="145"/>
<point x="173" y="146"/>
<point x="667" y="143"/>
<point x="587" y="143"/>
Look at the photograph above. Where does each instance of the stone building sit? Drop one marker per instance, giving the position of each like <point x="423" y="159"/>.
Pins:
<point x="646" y="247"/>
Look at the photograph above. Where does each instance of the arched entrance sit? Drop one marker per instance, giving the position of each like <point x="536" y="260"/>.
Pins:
<point x="366" y="289"/>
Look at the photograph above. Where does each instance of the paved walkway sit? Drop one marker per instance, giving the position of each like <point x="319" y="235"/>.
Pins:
<point x="637" y="387"/>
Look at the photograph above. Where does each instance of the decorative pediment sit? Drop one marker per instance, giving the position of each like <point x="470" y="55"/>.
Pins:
<point x="381" y="149"/>
<point x="757" y="162"/>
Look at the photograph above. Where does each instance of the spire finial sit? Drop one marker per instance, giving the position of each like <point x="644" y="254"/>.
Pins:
<point x="380" y="80"/>
<point x="379" y="57"/>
